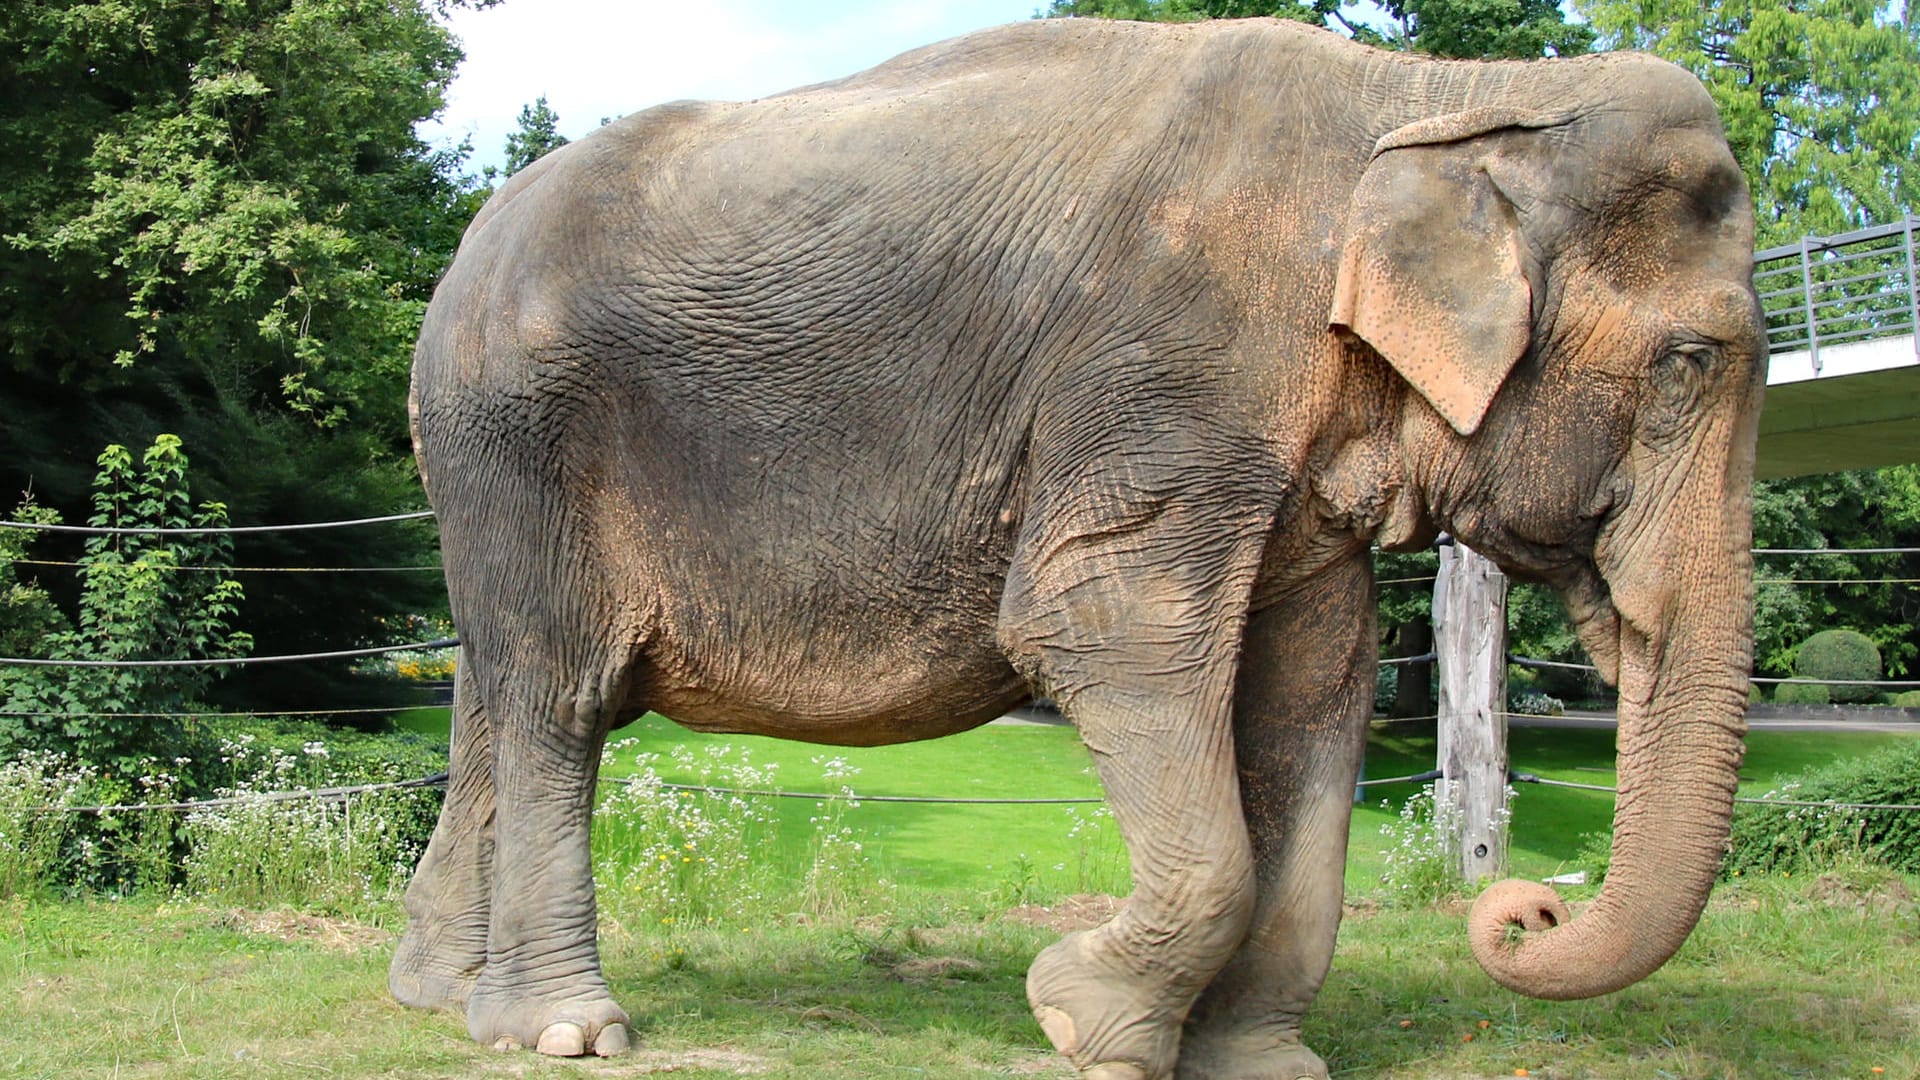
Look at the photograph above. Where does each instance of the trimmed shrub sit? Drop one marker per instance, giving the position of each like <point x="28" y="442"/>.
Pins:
<point x="1907" y="699"/>
<point x="1840" y="654"/>
<point x="1769" y="839"/>
<point x="1755" y="695"/>
<point x="1800" y="694"/>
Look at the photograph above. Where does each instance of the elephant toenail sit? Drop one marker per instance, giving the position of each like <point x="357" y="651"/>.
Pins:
<point x="612" y="1041"/>
<point x="563" y="1039"/>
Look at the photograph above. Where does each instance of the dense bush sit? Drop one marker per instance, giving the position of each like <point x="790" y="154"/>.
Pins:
<point x="331" y="850"/>
<point x="1840" y="654"/>
<point x="1800" y="694"/>
<point x="1907" y="699"/>
<point x="1790" y="838"/>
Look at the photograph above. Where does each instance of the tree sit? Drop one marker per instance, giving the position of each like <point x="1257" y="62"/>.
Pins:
<point x="1797" y="595"/>
<point x="1820" y="98"/>
<point x="216" y="220"/>
<point x="143" y="596"/>
<point x="1316" y="12"/>
<point x="537" y="136"/>
<point x="1483" y="29"/>
<point x="1467" y="29"/>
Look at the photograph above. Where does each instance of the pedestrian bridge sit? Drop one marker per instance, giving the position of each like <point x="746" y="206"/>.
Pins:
<point x="1843" y="380"/>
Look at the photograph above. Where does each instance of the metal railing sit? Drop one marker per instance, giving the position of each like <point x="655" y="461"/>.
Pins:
<point x="1834" y="290"/>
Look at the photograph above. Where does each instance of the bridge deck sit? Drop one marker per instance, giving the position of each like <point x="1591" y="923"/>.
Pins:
<point x="1843" y="380"/>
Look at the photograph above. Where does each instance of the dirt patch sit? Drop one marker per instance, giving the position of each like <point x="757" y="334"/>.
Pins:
<point x="338" y="935"/>
<point x="735" y="1062"/>
<point x="1082" y="911"/>
<point x="1882" y="899"/>
<point x="644" y="1062"/>
<point x="935" y="968"/>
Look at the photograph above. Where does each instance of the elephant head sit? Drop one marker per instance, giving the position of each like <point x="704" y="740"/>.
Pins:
<point x="1569" y="296"/>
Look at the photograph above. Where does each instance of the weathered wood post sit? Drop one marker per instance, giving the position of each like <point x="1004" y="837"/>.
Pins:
<point x="1470" y="638"/>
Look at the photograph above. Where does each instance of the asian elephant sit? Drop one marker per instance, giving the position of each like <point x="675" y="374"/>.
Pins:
<point x="1089" y="359"/>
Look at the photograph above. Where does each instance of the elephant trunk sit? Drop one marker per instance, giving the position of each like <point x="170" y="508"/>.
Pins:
<point x="1685" y="637"/>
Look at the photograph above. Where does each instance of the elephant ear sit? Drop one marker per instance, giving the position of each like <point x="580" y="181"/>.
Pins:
<point x="1433" y="273"/>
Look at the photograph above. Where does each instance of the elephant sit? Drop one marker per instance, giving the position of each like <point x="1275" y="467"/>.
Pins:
<point x="1089" y="360"/>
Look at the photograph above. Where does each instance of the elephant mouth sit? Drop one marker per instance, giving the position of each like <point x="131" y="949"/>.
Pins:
<point x="1595" y="620"/>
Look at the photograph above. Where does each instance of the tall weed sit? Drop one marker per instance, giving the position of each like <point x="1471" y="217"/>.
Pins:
<point x="36" y="791"/>
<point x="258" y="849"/>
<point x="705" y="853"/>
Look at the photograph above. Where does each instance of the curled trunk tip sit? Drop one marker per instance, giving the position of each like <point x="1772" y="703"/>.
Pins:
<point x="1510" y="922"/>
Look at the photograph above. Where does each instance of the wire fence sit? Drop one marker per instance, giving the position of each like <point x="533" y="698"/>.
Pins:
<point x="439" y="780"/>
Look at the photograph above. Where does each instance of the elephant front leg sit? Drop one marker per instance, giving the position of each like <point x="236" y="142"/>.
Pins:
<point x="1145" y="671"/>
<point x="1300" y="719"/>
<point x="445" y="944"/>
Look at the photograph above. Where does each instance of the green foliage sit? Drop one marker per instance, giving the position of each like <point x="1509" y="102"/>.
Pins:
<point x="27" y="612"/>
<point x="1796" y="595"/>
<point x="1467" y="29"/>
<point x="220" y="223"/>
<point x="142" y="597"/>
<point x="668" y="858"/>
<point x="1315" y="12"/>
<point x="35" y="791"/>
<point x="238" y="185"/>
<point x="1801" y="694"/>
<point x="333" y="852"/>
<point x="1840" y="655"/>
<point x="537" y="136"/>
<point x="1820" y="98"/>
<point x="1484" y="29"/>
<point x="1772" y="839"/>
<point x="1907" y="699"/>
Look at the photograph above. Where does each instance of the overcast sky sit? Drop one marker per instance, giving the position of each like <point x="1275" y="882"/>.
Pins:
<point x="604" y="58"/>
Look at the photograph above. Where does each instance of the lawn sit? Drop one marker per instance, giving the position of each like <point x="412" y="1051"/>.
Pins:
<point x="921" y="975"/>
<point x="997" y="848"/>
<point x="1804" y="978"/>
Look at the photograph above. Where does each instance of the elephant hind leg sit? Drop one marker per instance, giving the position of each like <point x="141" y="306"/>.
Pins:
<point x="553" y="692"/>
<point x="444" y="947"/>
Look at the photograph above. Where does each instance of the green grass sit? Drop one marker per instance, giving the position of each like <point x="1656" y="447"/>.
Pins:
<point x="981" y="847"/>
<point x="1782" y="979"/>
<point x="1804" y="977"/>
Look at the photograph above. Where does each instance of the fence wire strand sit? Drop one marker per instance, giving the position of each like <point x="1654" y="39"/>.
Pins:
<point x="247" y="569"/>
<point x="233" y="661"/>
<point x="1532" y="778"/>
<point x="211" y="530"/>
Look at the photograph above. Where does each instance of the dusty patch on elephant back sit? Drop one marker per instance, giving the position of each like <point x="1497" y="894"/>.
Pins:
<point x="1082" y="911"/>
<point x="338" y="935"/>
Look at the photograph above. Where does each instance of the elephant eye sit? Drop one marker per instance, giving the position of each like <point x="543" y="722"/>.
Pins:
<point x="1679" y="377"/>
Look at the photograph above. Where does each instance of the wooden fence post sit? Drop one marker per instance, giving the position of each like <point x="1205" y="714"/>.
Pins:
<point x="1470" y="638"/>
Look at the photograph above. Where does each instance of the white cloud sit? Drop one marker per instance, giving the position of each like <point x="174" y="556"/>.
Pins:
<point x="594" y="59"/>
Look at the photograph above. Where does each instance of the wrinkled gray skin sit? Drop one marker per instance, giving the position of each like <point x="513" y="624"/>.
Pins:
<point x="1088" y="359"/>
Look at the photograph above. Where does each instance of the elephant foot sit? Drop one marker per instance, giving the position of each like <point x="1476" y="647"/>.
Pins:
<point x="417" y="979"/>
<point x="1247" y="1057"/>
<point x="1110" y="1021"/>
<point x="557" y="1027"/>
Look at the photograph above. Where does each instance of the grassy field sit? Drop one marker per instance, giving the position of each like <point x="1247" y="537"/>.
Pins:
<point x="1814" y="978"/>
